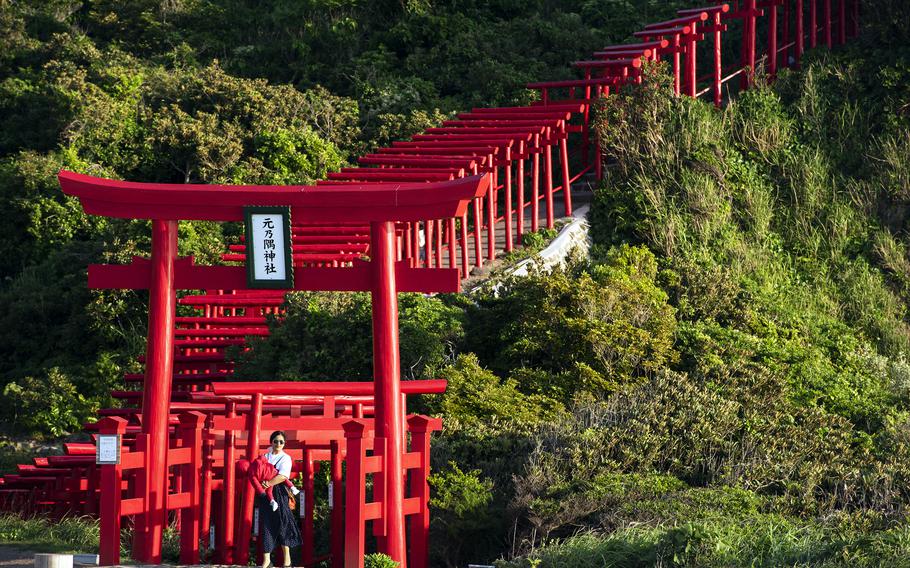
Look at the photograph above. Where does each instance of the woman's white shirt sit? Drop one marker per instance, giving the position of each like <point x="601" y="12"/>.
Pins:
<point x="281" y="461"/>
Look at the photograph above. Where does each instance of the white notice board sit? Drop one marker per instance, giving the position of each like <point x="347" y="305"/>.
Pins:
<point x="107" y="449"/>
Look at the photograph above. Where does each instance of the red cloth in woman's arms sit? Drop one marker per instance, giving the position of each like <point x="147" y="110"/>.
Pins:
<point x="260" y="470"/>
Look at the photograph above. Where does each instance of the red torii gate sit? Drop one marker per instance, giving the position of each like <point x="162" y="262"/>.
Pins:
<point x="380" y="205"/>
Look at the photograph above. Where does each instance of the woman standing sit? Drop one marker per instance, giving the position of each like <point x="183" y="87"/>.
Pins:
<point x="279" y="527"/>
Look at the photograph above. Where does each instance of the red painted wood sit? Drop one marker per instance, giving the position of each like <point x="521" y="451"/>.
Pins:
<point x="191" y="424"/>
<point x="157" y="392"/>
<point x="813" y="23"/>
<point x="253" y="428"/>
<point x="566" y="178"/>
<point x="842" y="22"/>
<point x="309" y="499"/>
<point x="608" y="63"/>
<point x="386" y="374"/>
<point x="508" y="213"/>
<point x="111" y="478"/>
<point x="347" y="279"/>
<point x="336" y="531"/>
<point x="772" y="39"/>
<point x="358" y="202"/>
<point x="355" y="495"/>
<point x="225" y="532"/>
<point x="698" y="15"/>
<point x="548" y="187"/>
<point x="420" y="489"/>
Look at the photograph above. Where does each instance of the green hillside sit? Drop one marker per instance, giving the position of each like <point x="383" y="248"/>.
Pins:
<point x="777" y="435"/>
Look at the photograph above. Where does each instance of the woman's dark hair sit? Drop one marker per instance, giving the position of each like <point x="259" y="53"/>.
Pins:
<point x="277" y="433"/>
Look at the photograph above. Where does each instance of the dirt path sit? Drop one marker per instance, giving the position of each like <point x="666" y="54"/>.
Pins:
<point x="12" y="557"/>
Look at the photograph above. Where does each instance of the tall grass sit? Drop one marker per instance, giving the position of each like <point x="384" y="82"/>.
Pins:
<point x="71" y="534"/>
<point x="764" y="542"/>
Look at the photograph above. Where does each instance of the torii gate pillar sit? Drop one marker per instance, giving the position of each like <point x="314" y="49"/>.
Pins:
<point x="159" y="365"/>
<point x="387" y="377"/>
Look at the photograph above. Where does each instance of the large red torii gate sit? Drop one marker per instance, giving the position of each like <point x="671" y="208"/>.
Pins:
<point x="380" y="205"/>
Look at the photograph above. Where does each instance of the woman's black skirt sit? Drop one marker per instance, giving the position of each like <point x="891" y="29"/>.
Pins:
<point x="277" y="528"/>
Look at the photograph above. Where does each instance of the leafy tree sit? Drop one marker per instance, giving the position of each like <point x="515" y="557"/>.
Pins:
<point x="48" y="405"/>
<point x="475" y="396"/>
<point x="460" y="506"/>
<point x="328" y="336"/>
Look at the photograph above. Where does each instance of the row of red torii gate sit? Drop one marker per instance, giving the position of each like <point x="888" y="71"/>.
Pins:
<point x="487" y="174"/>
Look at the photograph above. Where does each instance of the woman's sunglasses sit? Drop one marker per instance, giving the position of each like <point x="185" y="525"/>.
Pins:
<point x="278" y="441"/>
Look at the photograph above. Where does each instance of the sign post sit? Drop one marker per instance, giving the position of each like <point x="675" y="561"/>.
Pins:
<point x="268" y="248"/>
<point x="107" y="450"/>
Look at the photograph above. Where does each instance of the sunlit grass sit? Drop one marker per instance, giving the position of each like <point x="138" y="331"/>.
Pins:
<point x="71" y="534"/>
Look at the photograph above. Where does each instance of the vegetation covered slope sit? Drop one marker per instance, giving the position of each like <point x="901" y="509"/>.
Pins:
<point x="724" y="382"/>
<point x="780" y="434"/>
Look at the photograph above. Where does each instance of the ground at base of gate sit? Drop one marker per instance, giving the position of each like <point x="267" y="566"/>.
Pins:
<point x="13" y="557"/>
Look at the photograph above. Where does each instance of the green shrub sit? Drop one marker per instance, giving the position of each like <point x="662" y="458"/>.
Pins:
<point x="476" y="396"/>
<point x="752" y="232"/>
<point x="537" y="240"/>
<point x="295" y="157"/>
<point x="48" y="406"/>
<point x="377" y="560"/>
<point x="462" y="517"/>
<point x="462" y="495"/>
<point x="577" y="330"/>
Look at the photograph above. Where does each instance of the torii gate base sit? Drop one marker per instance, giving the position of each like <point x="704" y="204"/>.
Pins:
<point x="203" y="478"/>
